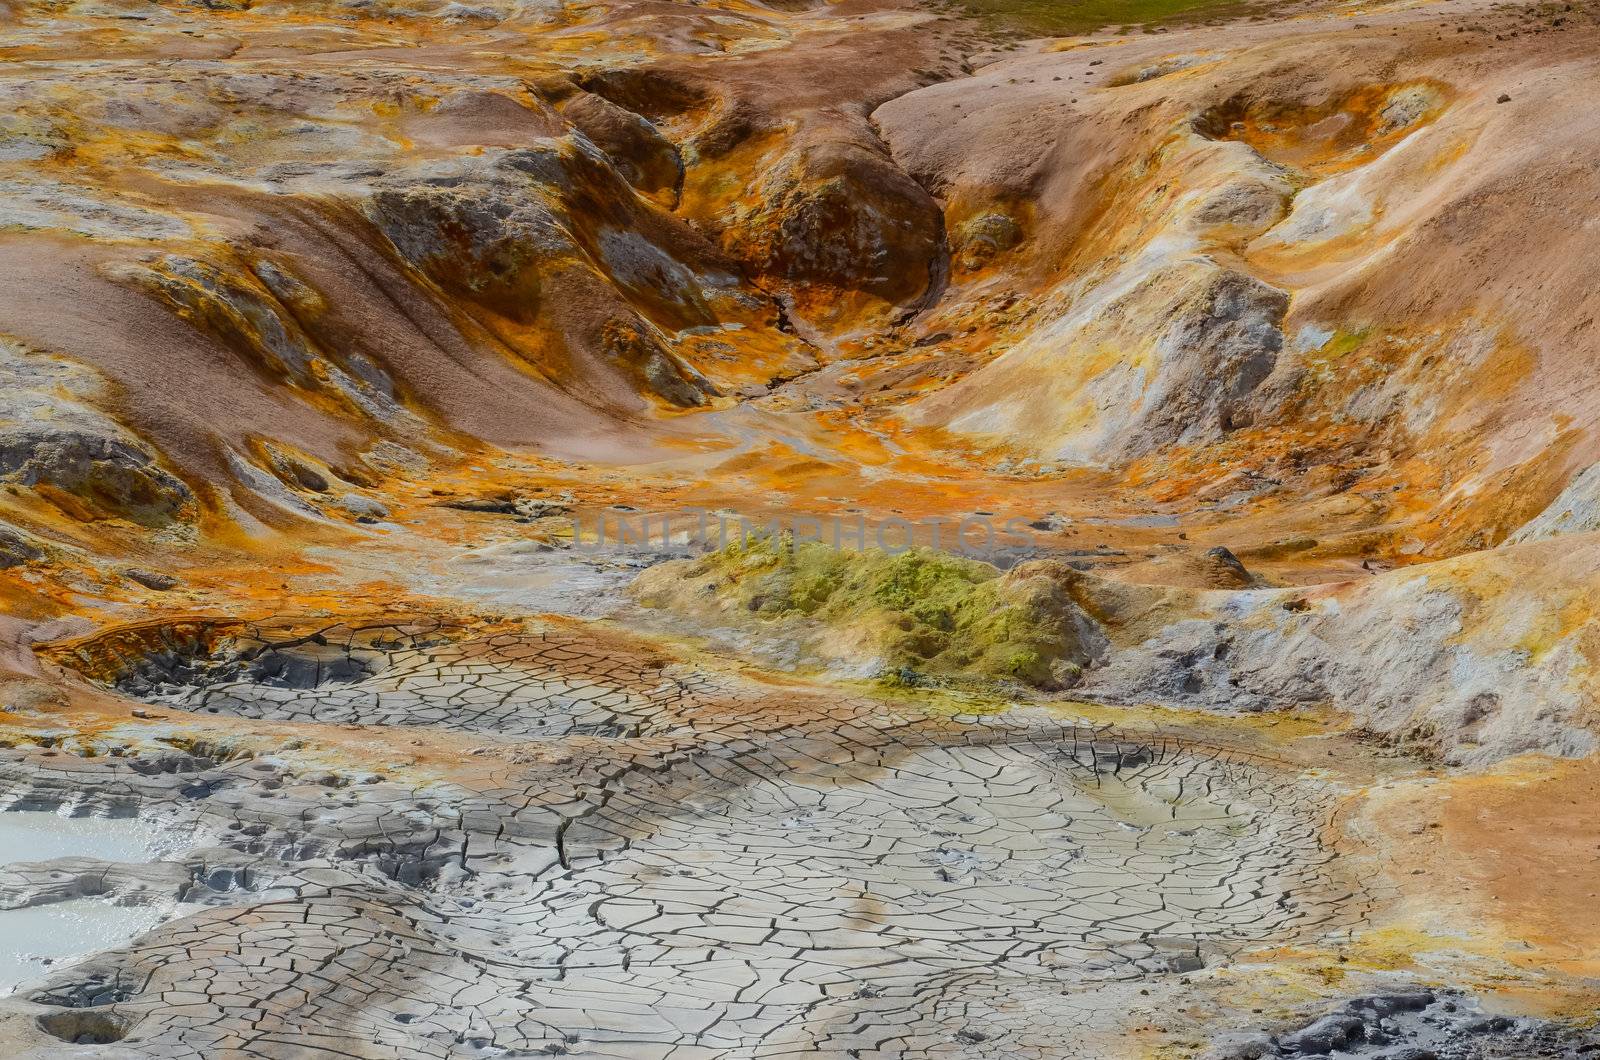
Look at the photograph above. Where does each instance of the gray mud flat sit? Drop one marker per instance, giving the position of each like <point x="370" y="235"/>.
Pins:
<point x="667" y="863"/>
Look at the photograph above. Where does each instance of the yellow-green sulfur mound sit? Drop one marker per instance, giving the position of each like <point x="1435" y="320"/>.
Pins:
<point x="918" y="616"/>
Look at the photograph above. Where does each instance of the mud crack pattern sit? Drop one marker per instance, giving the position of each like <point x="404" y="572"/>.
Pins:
<point x="696" y="866"/>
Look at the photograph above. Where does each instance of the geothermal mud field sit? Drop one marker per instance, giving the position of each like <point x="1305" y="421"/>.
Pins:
<point x="876" y="528"/>
<point x="687" y="863"/>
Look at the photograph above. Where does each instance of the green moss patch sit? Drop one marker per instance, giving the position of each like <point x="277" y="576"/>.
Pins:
<point x="927" y="617"/>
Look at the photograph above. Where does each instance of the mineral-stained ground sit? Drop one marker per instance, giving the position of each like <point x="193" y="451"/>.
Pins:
<point x="1244" y="356"/>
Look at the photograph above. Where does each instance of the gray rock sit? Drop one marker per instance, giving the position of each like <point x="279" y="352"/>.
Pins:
<point x="1250" y="204"/>
<point x="1414" y="1025"/>
<point x="152" y="579"/>
<point x="540" y="507"/>
<point x="1230" y="568"/>
<point x="1396" y="652"/>
<point x="17" y="548"/>
<point x="1212" y="338"/>
<point x="52" y="435"/>
<point x="486" y="505"/>
<point x="1321" y="1038"/>
<point x="1575" y="511"/>
<point x="1222" y="343"/>
<point x="504" y="230"/>
<point x="109" y="472"/>
<point x="361" y="507"/>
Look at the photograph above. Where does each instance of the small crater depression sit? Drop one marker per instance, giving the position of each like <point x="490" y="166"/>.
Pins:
<point x="85" y="1026"/>
<point x="160" y="662"/>
<point x="1322" y="139"/>
<point x="411" y="672"/>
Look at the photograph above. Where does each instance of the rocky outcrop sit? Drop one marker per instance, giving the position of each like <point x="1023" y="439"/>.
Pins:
<point x="1152" y="332"/>
<point x="1445" y="662"/>
<point x="54" y="441"/>
<point x="262" y="310"/>
<point x="1173" y="355"/>
<point x="17" y="548"/>
<point x="839" y="218"/>
<point x="921" y="617"/>
<point x="647" y="159"/>
<point x="1455" y="661"/>
<point x="1419" y="1023"/>
<point x="1575" y="511"/>
<point x="552" y="237"/>
<point x="1220" y="344"/>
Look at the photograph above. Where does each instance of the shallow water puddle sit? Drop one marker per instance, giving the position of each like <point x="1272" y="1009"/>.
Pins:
<point x="35" y="835"/>
<point x="36" y="939"/>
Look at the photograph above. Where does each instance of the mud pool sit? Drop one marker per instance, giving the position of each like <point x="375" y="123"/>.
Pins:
<point x="41" y="835"/>
<point x="38" y="939"/>
<point x="62" y="908"/>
